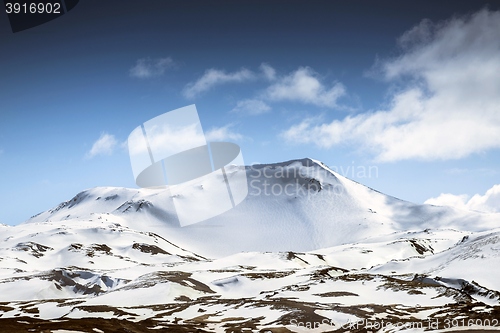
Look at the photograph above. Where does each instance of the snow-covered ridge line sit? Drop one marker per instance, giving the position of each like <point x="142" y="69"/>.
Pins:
<point x="298" y="205"/>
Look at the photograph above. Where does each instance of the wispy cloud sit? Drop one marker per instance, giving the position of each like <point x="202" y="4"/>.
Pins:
<point x="147" y="67"/>
<point x="449" y="108"/>
<point x="222" y="134"/>
<point x="304" y="85"/>
<point x="214" y="77"/>
<point x="489" y="202"/>
<point x="251" y="107"/>
<point x="103" y="146"/>
<point x="268" y="71"/>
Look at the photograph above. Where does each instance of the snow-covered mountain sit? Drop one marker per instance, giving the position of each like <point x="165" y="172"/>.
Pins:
<point x="298" y="205"/>
<point x="328" y="254"/>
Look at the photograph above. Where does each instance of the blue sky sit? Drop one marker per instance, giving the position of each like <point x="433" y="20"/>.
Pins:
<point x="402" y="97"/>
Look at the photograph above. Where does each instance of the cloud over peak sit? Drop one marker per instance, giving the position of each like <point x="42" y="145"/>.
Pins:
<point x="449" y="107"/>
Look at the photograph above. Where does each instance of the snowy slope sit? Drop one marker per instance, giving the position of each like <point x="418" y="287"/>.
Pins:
<point x="70" y="275"/>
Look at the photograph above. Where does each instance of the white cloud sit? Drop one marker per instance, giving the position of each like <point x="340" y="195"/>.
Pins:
<point x="223" y="134"/>
<point x="147" y="67"/>
<point x="165" y="139"/>
<point x="103" y="146"/>
<point x="448" y="199"/>
<point x="304" y="86"/>
<point x="213" y="77"/>
<point x="251" y="106"/>
<point x="268" y="71"/>
<point x="450" y="107"/>
<point x="489" y="202"/>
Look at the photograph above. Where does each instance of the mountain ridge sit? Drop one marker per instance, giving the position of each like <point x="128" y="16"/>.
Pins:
<point x="271" y="218"/>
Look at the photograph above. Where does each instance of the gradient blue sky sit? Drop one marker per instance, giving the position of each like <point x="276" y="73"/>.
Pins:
<point x="410" y="88"/>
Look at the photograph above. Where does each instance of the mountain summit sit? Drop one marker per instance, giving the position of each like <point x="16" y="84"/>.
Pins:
<point x="299" y="205"/>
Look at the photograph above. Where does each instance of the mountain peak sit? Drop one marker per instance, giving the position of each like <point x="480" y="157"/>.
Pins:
<point x="298" y="205"/>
